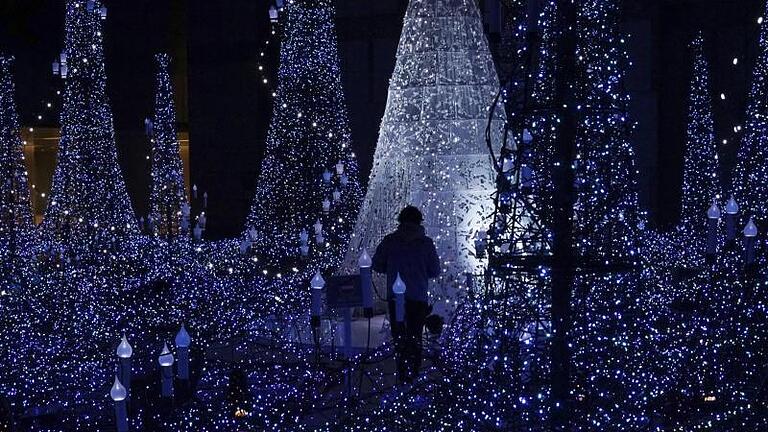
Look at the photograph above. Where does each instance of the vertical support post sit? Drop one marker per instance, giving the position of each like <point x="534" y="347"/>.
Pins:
<point x="125" y="373"/>
<point x="121" y="416"/>
<point x="183" y="368"/>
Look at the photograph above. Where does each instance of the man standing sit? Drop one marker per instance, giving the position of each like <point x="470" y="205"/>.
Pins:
<point x="411" y="254"/>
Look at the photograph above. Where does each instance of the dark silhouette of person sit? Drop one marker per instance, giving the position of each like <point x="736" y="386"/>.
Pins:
<point x="411" y="254"/>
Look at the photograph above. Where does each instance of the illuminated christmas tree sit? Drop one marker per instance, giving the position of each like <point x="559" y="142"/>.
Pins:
<point x="16" y="227"/>
<point x="606" y="210"/>
<point x="700" y="175"/>
<point x="88" y="202"/>
<point x="309" y="161"/>
<point x="543" y="120"/>
<point x="168" y="191"/>
<point x="431" y="150"/>
<point x="750" y="179"/>
<point x="606" y="348"/>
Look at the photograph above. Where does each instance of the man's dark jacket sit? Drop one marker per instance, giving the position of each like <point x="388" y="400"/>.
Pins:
<point x="411" y="253"/>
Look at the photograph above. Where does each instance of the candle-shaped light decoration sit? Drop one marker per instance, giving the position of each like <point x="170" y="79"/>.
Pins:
<point x="89" y="5"/>
<point x="183" y="341"/>
<point x="148" y="127"/>
<point x="713" y="217"/>
<point x="55" y="68"/>
<point x="64" y="70"/>
<point x="480" y="244"/>
<point x="103" y="12"/>
<point x="202" y="220"/>
<point x="194" y="191"/>
<point x="750" y="238"/>
<point x="731" y="212"/>
<point x="398" y="288"/>
<point x="303" y="239"/>
<point x="318" y="227"/>
<point x="118" y="393"/>
<point x="185" y="212"/>
<point x="327" y="176"/>
<point x="317" y="284"/>
<point x="63" y="57"/>
<point x="124" y="353"/>
<point x="197" y="232"/>
<point x="166" y="371"/>
<point x="340" y="168"/>
<point x="336" y="195"/>
<point x="365" y="282"/>
<point x="273" y="14"/>
<point x="205" y="200"/>
<point x="326" y="205"/>
<point x="244" y="246"/>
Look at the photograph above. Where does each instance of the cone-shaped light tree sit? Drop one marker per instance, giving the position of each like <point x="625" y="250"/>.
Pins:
<point x="431" y="150"/>
<point x="750" y="178"/>
<point x="700" y="175"/>
<point x="544" y="120"/>
<point x="308" y="157"/>
<point x="606" y="211"/>
<point x="16" y="226"/>
<point x="168" y="190"/>
<point x="606" y="222"/>
<point x="88" y="200"/>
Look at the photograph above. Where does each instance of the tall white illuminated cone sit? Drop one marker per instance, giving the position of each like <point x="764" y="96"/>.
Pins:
<point x="431" y="150"/>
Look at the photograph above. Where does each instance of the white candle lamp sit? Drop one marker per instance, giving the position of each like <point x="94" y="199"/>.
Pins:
<point x="166" y="371"/>
<point x="317" y="284"/>
<point x="365" y="263"/>
<point x="750" y="238"/>
<point x="119" y="393"/>
<point x="124" y="350"/>
<point x="398" y="288"/>
<point x="183" y="341"/>
<point x="713" y="217"/>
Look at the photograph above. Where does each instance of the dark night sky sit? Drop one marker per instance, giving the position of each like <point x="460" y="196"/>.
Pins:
<point x="217" y="42"/>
